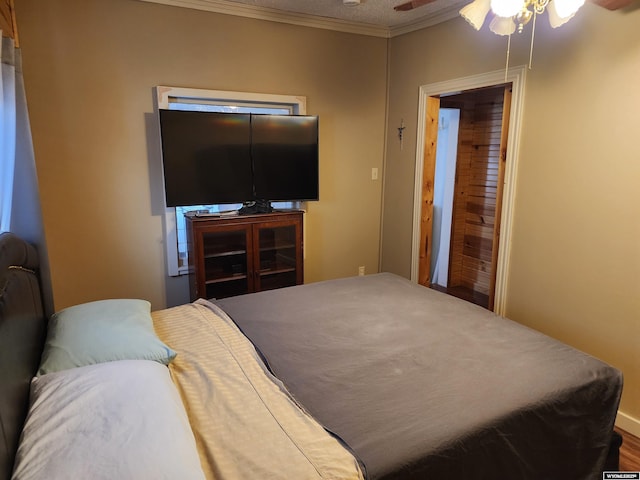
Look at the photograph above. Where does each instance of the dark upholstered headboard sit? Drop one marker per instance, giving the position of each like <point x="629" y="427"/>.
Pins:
<point x="22" y="333"/>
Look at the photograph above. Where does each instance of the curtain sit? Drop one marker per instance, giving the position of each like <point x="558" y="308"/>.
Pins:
<point x="20" y="210"/>
<point x="444" y="185"/>
<point x="8" y="131"/>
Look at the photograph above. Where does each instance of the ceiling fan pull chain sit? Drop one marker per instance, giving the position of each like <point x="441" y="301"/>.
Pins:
<point x="506" y="68"/>
<point x="533" y="34"/>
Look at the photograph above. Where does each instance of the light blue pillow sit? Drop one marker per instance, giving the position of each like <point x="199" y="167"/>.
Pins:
<point x="102" y="331"/>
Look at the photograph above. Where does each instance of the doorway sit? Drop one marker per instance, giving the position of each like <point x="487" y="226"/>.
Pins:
<point x="461" y="230"/>
<point x="468" y="215"/>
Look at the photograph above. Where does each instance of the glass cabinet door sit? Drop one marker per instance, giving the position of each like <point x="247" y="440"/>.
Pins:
<point x="225" y="263"/>
<point x="244" y="254"/>
<point x="277" y="264"/>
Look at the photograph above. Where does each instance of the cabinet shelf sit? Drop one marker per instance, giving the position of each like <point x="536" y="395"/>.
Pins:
<point x="278" y="269"/>
<point x="233" y="256"/>
<point x="278" y="248"/>
<point x="225" y="278"/>
<point x="225" y="253"/>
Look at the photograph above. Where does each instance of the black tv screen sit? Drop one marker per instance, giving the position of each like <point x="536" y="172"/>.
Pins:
<point x="284" y="149"/>
<point x="216" y="158"/>
<point x="206" y="157"/>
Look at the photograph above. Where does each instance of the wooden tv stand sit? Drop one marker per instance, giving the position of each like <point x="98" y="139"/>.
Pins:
<point x="233" y="255"/>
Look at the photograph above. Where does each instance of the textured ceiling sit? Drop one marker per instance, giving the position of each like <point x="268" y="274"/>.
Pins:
<point x="370" y="17"/>
<point x="373" y="17"/>
<point x="374" y="12"/>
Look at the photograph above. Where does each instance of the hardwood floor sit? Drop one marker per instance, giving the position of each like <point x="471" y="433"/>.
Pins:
<point x="629" y="452"/>
<point x="465" y="294"/>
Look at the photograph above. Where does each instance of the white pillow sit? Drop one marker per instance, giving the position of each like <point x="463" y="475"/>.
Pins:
<point x="117" y="420"/>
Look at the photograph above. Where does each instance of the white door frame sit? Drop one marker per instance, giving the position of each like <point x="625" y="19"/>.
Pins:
<point x="516" y="76"/>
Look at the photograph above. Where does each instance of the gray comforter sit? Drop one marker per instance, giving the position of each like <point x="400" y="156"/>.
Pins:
<point x="420" y="385"/>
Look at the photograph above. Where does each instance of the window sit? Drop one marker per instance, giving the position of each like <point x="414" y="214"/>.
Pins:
<point x="172" y="98"/>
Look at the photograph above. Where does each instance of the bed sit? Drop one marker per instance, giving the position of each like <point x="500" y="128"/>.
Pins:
<point x="366" y="377"/>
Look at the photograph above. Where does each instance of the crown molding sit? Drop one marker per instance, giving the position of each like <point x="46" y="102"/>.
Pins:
<point x="270" y="14"/>
<point x="431" y="20"/>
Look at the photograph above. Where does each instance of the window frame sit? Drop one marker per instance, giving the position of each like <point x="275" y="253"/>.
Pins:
<point x="166" y="95"/>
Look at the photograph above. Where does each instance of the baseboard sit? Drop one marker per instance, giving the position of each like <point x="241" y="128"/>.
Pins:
<point x="628" y="423"/>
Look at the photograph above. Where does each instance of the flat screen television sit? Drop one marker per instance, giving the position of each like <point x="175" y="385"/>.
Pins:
<point x="218" y="158"/>
<point x="284" y="151"/>
<point x="206" y="157"/>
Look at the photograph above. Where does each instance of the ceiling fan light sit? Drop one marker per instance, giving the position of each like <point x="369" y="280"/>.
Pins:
<point x="476" y="12"/>
<point x="507" y="8"/>
<point x="566" y="8"/>
<point x="554" y="19"/>
<point x="502" y="25"/>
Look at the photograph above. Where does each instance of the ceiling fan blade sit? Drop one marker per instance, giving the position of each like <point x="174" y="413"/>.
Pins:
<point x="612" y="4"/>
<point x="411" y="5"/>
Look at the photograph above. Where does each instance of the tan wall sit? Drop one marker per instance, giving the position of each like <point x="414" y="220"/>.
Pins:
<point x="90" y="67"/>
<point x="575" y="266"/>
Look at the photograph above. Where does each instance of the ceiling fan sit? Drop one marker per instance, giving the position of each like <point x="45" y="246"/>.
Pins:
<point x="612" y="4"/>
<point x="608" y="4"/>
<point x="411" y="5"/>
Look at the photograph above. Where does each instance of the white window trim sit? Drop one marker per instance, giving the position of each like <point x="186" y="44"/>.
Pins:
<point x="164" y="96"/>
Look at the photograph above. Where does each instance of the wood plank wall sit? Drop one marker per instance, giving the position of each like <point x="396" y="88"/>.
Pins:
<point x="7" y="19"/>
<point x="474" y="202"/>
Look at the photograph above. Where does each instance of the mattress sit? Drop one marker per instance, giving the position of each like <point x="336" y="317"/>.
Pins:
<point x="419" y="384"/>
